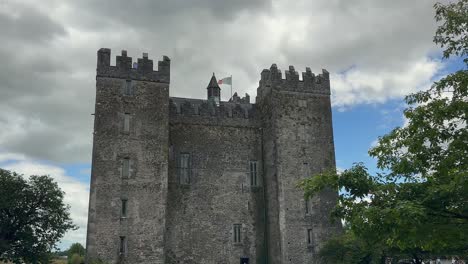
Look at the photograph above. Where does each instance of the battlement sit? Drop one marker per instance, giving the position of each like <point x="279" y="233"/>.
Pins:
<point x="204" y="108"/>
<point x="142" y="69"/>
<point x="238" y="100"/>
<point x="310" y="83"/>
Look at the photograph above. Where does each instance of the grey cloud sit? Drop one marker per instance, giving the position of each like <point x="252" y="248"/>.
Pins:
<point x="367" y="33"/>
<point x="47" y="86"/>
<point x="149" y="14"/>
<point x="28" y="24"/>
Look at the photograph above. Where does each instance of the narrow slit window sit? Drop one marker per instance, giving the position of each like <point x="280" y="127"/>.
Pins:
<point x="128" y="90"/>
<point x="184" y="168"/>
<point x="126" y="167"/>
<point x="237" y="233"/>
<point x="124" y="208"/>
<point x="123" y="245"/>
<point x="308" y="209"/>
<point x="306" y="170"/>
<point x="126" y="126"/>
<point x="309" y="237"/>
<point x="302" y="133"/>
<point x="253" y="173"/>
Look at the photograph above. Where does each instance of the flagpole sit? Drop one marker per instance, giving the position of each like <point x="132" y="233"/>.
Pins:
<point x="231" y="86"/>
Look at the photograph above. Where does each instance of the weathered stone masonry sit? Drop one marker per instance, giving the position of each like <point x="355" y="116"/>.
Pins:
<point x="178" y="180"/>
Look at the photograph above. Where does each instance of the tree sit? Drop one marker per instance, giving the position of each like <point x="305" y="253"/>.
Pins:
<point x="347" y="248"/>
<point x="76" y="249"/>
<point x="418" y="202"/>
<point x="33" y="217"/>
<point x="76" y="259"/>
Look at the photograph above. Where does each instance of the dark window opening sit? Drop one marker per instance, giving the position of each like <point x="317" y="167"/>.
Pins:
<point x="244" y="260"/>
<point x="126" y="126"/>
<point x="126" y="167"/>
<point x="309" y="237"/>
<point x="128" y="90"/>
<point x="237" y="233"/>
<point x="184" y="168"/>
<point x="124" y="208"/>
<point x="123" y="245"/>
<point x="253" y="173"/>
<point x="306" y="170"/>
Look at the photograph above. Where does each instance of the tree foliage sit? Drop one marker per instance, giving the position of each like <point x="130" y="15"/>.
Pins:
<point x="76" y="259"/>
<point x="33" y="217"/>
<point x="419" y="201"/>
<point x="348" y="248"/>
<point x="76" y="249"/>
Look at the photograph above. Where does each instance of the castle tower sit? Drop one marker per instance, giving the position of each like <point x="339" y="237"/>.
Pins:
<point x="127" y="208"/>
<point x="297" y="142"/>
<point x="214" y="92"/>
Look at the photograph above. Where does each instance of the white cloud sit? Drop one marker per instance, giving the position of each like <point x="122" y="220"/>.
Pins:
<point x="357" y="86"/>
<point x="76" y="193"/>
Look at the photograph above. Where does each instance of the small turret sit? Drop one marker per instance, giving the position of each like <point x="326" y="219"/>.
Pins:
<point x="214" y="92"/>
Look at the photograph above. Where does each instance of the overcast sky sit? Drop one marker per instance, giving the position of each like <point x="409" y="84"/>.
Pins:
<point x="376" y="50"/>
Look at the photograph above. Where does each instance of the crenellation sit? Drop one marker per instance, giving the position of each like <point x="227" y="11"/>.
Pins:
<point x="103" y="58"/>
<point x="308" y="77"/>
<point x="236" y="108"/>
<point x="142" y="70"/>
<point x="275" y="74"/>
<point x="164" y="65"/>
<point x="246" y="98"/>
<point x="291" y="75"/>
<point x="123" y="62"/>
<point x="145" y="65"/>
<point x="310" y="83"/>
<point x="326" y="75"/>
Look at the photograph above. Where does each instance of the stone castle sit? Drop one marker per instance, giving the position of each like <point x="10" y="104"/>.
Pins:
<point x="180" y="180"/>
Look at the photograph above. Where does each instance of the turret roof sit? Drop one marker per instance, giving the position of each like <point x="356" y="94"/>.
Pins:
<point x="213" y="82"/>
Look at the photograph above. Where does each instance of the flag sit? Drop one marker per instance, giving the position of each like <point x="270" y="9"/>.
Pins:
<point x="227" y="80"/>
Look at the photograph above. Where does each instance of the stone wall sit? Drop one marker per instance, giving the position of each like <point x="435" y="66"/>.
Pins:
<point x="201" y="214"/>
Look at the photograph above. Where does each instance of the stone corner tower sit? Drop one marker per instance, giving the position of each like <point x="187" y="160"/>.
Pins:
<point x="298" y="142"/>
<point x="130" y="160"/>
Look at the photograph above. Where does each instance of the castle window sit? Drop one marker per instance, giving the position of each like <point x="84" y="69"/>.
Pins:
<point x="184" y="168"/>
<point x="128" y="88"/>
<point x="123" y="245"/>
<point x="253" y="173"/>
<point x="237" y="233"/>
<point x="308" y="207"/>
<point x="126" y="126"/>
<point x="302" y="103"/>
<point x="302" y="133"/>
<point x="123" y="212"/>
<point x="309" y="237"/>
<point x="126" y="167"/>
<point x="306" y="170"/>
